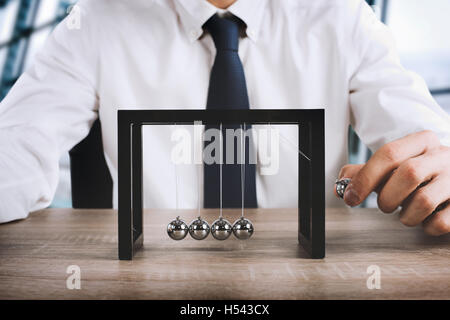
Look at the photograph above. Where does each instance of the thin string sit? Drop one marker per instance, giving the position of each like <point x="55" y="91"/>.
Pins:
<point x="243" y="169"/>
<point x="291" y="143"/>
<point x="198" y="188"/>
<point x="197" y="169"/>
<point x="220" y="169"/>
<point x="176" y="179"/>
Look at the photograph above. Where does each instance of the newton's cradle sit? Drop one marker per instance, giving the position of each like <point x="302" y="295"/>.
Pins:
<point x="311" y="175"/>
<point x="221" y="229"/>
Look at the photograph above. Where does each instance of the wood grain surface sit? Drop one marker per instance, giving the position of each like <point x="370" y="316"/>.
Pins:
<point x="35" y="254"/>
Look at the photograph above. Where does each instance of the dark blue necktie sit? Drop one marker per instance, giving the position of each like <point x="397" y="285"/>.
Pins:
<point x="227" y="90"/>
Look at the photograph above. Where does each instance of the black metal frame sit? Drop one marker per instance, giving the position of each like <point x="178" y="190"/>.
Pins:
<point x="311" y="196"/>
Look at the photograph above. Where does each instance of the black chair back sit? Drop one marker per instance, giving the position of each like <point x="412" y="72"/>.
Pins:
<point x="92" y="185"/>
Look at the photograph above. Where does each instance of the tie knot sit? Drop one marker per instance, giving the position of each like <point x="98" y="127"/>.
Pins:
<point x="224" y="31"/>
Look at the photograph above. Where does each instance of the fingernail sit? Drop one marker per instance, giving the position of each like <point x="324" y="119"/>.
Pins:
<point x="351" y="198"/>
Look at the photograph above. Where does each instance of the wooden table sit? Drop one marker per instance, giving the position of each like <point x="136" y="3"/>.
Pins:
<point x="35" y="254"/>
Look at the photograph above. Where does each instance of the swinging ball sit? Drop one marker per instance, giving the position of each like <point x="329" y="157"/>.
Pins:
<point x="177" y="229"/>
<point x="199" y="229"/>
<point x="221" y="229"/>
<point x="243" y="228"/>
<point x="341" y="185"/>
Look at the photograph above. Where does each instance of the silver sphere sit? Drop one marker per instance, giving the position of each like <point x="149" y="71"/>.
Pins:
<point x="341" y="185"/>
<point x="199" y="229"/>
<point x="243" y="228"/>
<point x="177" y="229"/>
<point x="221" y="229"/>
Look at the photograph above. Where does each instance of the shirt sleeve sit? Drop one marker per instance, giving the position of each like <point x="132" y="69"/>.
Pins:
<point x="50" y="109"/>
<point x="387" y="102"/>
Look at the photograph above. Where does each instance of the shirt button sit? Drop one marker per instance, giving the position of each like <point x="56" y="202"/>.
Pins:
<point x="250" y="33"/>
<point x="193" y="33"/>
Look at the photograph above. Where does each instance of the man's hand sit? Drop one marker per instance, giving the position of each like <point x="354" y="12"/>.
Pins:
<point x="412" y="173"/>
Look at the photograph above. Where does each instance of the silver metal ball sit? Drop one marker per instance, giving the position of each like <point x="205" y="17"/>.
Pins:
<point x="243" y="228"/>
<point x="221" y="229"/>
<point x="341" y="185"/>
<point x="177" y="229"/>
<point x="199" y="229"/>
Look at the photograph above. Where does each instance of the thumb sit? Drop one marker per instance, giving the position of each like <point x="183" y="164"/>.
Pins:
<point x="348" y="171"/>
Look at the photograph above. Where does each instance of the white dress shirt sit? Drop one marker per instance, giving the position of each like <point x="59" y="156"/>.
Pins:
<point x="153" y="54"/>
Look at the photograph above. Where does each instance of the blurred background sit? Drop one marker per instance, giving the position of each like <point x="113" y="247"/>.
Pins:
<point x="419" y="28"/>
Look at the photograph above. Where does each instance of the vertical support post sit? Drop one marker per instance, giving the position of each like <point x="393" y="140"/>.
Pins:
<point x="304" y="187"/>
<point x="318" y="187"/>
<point x="124" y="185"/>
<point x="311" y="187"/>
<point x="137" y="185"/>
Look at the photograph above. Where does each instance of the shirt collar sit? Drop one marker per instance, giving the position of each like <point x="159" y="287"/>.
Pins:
<point x="194" y="13"/>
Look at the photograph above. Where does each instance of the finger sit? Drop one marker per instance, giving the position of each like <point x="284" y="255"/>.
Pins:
<point x="347" y="171"/>
<point x="409" y="176"/>
<point x="384" y="161"/>
<point x="439" y="223"/>
<point x="424" y="201"/>
<point x="383" y="182"/>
